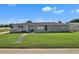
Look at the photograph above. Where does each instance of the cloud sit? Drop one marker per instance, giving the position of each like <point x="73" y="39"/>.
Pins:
<point x="72" y="11"/>
<point x="42" y="20"/>
<point x="53" y="10"/>
<point x="58" y="11"/>
<point x="76" y="10"/>
<point x="13" y="20"/>
<point x="46" y="9"/>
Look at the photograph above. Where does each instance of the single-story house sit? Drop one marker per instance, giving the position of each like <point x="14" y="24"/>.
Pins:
<point x="74" y="26"/>
<point x="42" y="27"/>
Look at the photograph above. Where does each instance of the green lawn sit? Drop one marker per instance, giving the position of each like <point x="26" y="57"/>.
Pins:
<point x="56" y="40"/>
<point x="8" y="40"/>
<point x="41" y="40"/>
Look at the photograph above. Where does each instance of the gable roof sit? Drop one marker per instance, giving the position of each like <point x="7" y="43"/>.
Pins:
<point x="41" y="23"/>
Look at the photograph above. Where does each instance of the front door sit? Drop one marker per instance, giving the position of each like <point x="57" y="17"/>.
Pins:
<point x="32" y="30"/>
<point x="45" y="28"/>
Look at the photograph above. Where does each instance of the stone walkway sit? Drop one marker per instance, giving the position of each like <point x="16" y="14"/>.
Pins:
<point x="21" y="38"/>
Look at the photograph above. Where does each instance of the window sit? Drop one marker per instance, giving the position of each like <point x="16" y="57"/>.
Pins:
<point x="20" y="27"/>
<point x="40" y="28"/>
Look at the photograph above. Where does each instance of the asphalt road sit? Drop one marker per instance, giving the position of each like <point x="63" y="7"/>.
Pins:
<point x="40" y="51"/>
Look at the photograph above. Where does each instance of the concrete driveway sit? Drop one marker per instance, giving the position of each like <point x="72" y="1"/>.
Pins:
<point x="4" y="32"/>
<point x="40" y="51"/>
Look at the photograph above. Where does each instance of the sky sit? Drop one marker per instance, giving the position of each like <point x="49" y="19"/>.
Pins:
<point x="21" y="13"/>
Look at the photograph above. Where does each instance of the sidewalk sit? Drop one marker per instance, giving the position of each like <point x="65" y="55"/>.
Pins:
<point x="41" y="51"/>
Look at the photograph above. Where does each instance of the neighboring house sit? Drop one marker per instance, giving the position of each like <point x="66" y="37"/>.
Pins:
<point x="40" y="27"/>
<point x="74" y="26"/>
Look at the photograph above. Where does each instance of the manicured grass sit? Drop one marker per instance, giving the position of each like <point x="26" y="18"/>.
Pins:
<point x="41" y="40"/>
<point x="52" y="40"/>
<point x="8" y="40"/>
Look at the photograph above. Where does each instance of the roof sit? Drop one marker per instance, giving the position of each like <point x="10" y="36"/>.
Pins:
<point x="41" y="23"/>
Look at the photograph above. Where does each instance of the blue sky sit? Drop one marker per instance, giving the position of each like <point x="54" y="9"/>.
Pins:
<point x="19" y="13"/>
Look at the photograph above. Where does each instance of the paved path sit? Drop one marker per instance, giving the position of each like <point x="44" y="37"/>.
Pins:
<point x="4" y="32"/>
<point x="39" y="51"/>
<point x="21" y="38"/>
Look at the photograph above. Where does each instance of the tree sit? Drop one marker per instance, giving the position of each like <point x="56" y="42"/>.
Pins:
<point x="67" y="22"/>
<point x="59" y="21"/>
<point x="10" y="25"/>
<point x="29" y="21"/>
<point x="4" y="25"/>
<point x="75" y="21"/>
